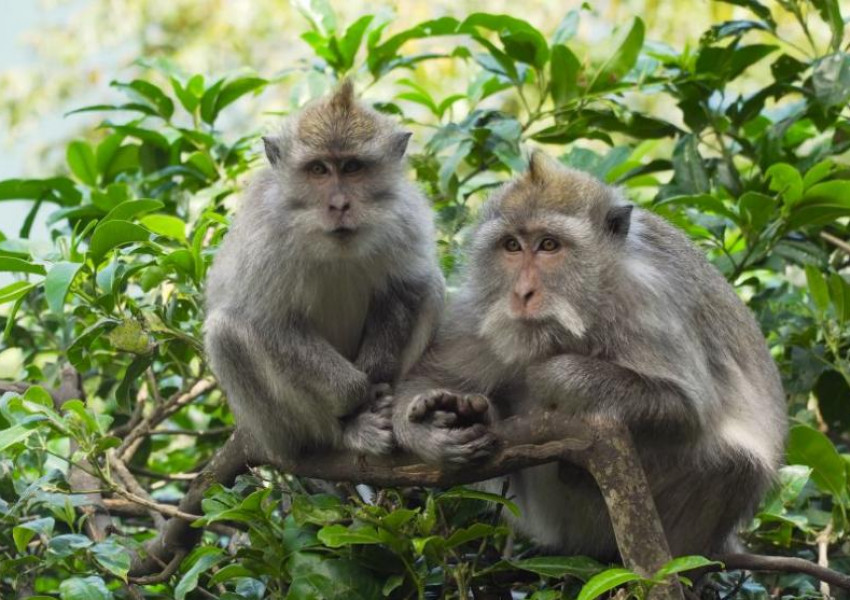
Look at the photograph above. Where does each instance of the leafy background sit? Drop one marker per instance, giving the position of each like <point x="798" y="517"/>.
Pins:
<point x="734" y="126"/>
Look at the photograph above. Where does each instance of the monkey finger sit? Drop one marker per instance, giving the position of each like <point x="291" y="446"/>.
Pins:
<point x="443" y="419"/>
<point x="380" y="390"/>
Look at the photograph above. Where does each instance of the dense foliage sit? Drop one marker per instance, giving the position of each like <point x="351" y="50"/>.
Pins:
<point x="741" y="139"/>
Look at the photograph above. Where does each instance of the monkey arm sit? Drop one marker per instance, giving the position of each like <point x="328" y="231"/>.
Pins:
<point x="274" y="360"/>
<point x="390" y="326"/>
<point x="588" y="385"/>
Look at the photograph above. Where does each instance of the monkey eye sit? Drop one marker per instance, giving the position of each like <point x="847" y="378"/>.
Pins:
<point x="317" y="168"/>
<point x="352" y="165"/>
<point x="512" y="245"/>
<point x="549" y="244"/>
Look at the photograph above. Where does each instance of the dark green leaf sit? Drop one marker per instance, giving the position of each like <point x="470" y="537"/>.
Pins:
<point x="831" y="79"/>
<point x="628" y="43"/>
<point x="581" y="567"/>
<point x="209" y="557"/>
<point x="145" y="90"/>
<point x="564" y="68"/>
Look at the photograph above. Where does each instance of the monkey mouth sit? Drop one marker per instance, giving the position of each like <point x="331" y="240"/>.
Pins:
<point x="343" y="232"/>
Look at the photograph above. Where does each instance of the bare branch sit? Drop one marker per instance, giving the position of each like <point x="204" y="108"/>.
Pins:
<point x="783" y="564"/>
<point x="160" y="413"/>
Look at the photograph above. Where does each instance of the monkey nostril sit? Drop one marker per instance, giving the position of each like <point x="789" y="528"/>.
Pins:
<point x="527" y="296"/>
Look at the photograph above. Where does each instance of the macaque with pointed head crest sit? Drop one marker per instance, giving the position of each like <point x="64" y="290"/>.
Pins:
<point x="577" y="303"/>
<point x="326" y="288"/>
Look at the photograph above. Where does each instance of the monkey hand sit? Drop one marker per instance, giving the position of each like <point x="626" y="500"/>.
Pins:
<point x="450" y="429"/>
<point x="370" y="431"/>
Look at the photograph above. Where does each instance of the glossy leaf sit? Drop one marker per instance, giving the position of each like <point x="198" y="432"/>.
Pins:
<point x="606" y="581"/>
<point x="58" y="283"/>
<point x="111" y="234"/>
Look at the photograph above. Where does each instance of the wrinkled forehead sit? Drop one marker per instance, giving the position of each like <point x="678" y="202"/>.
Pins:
<point x="326" y="127"/>
<point x="531" y="223"/>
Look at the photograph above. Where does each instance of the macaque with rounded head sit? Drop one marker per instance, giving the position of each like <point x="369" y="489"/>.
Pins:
<point x="575" y="303"/>
<point x="326" y="288"/>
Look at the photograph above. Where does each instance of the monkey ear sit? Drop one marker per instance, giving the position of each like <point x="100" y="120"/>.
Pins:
<point x="618" y="220"/>
<point x="272" y="146"/>
<point x="398" y="143"/>
<point x="343" y="97"/>
<point x="540" y="166"/>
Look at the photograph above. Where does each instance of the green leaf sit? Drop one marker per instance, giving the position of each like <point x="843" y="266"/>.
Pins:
<point x="467" y="494"/>
<point x="605" y="581"/>
<point x="133" y="374"/>
<point x="581" y="567"/>
<point x="208" y="102"/>
<point x="9" y="264"/>
<point x="839" y="293"/>
<point x="520" y="39"/>
<point x="319" y="13"/>
<point x="60" y="190"/>
<point x="628" y="42"/>
<point x="111" y="234"/>
<point x="130" y="208"/>
<point x="233" y="90"/>
<point x="112" y="557"/>
<point x="166" y="225"/>
<point x="756" y="7"/>
<point x="817" y="173"/>
<point x="786" y="180"/>
<point x="207" y="560"/>
<point x="817" y="288"/>
<point x="352" y="39"/>
<point x="84" y="588"/>
<point x="145" y="90"/>
<point x="831" y="14"/>
<point x="463" y="535"/>
<point x="681" y="564"/>
<point x="57" y="283"/>
<point x="190" y="95"/>
<point x="809" y="447"/>
<point x="837" y="191"/>
<point x="15" y="291"/>
<point x="690" y="174"/>
<point x="82" y="162"/>
<point x="336" y="536"/>
<point x="757" y="208"/>
<point x="15" y="434"/>
<point x="564" y="71"/>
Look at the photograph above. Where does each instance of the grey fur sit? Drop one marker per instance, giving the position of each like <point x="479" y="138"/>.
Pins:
<point x="326" y="288"/>
<point x="634" y="325"/>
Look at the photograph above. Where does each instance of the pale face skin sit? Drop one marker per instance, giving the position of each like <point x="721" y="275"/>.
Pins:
<point x="528" y="258"/>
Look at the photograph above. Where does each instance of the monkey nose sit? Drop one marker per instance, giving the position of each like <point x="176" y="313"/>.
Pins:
<point x="339" y="204"/>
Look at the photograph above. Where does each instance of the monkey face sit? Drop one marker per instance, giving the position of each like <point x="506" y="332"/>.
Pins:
<point x="542" y="251"/>
<point x="532" y="274"/>
<point x="340" y="166"/>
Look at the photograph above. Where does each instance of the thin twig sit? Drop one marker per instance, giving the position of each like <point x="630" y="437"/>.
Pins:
<point x="159" y="414"/>
<point x="836" y="241"/>
<point x="165" y="509"/>
<point x="127" y="478"/>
